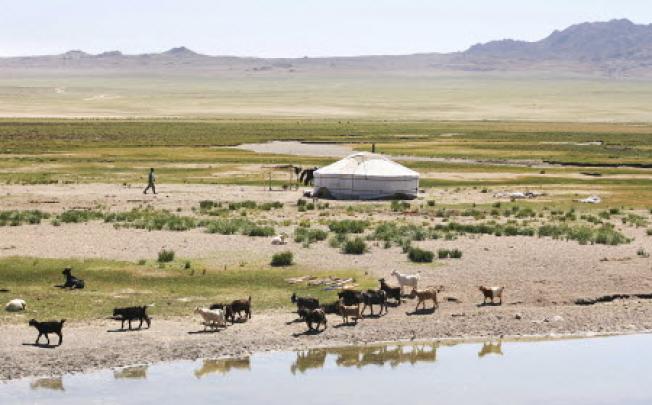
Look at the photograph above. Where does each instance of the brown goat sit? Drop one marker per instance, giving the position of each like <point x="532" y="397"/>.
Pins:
<point x="351" y="311"/>
<point x="425" y="295"/>
<point x="492" y="293"/>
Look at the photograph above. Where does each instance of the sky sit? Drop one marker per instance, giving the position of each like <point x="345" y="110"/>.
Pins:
<point x="291" y="28"/>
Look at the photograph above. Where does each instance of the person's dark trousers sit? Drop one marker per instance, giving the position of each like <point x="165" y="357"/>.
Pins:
<point x="151" y="185"/>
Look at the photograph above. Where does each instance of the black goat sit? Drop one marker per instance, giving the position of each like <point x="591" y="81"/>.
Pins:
<point x="132" y="313"/>
<point x="45" y="328"/>
<point x="304" y="302"/>
<point x="374" y="297"/>
<point x="350" y="297"/>
<point x="235" y="307"/>
<point x="332" y="308"/>
<point x="392" y="292"/>
<point x="71" y="281"/>
<point x="238" y="307"/>
<point x="315" y="316"/>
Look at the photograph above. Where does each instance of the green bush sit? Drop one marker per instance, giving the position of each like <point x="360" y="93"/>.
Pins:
<point x="308" y="236"/>
<point x="355" y="246"/>
<point x="419" y="255"/>
<point x="151" y="219"/>
<point x="455" y="254"/>
<point x="259" y="231"/>
<point x="16" y="218"/>
<point x="348" y="226"/>
<point x="165" y="256"/>
<point x="282" y="259"/>
<point x="79" y="216"/>
<point x="649" y="232"/>
<point x="443" y="253"/>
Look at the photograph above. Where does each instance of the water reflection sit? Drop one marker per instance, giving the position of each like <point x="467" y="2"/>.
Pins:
<point x="223" y="366"/>
<point x="131" y="372"/>
<point x="491" y="348"/>
<point x="464" y="374"/>
<point x="362" y="356"/>
<point x="55" y="384"/>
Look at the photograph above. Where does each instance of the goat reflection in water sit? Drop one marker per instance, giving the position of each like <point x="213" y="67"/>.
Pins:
<point x="222" y="366"/>
<point x="353" y="356"/>
<point x="54" y="383"/>
<point x="491" y="348"/>
<point x="131" y="372"/>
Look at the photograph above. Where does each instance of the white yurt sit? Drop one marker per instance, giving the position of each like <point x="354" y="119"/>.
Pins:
<point x="366" y="176"/>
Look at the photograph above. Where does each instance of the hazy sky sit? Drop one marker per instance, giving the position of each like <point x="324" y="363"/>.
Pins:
<point x="291" y="27"/>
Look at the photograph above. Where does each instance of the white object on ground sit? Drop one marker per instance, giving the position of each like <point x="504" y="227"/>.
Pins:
<point x="594" y="199"/>
<point x="16" y="305"/>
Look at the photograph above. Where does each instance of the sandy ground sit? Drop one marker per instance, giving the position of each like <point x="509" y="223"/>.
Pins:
<point x="542" y="277"/>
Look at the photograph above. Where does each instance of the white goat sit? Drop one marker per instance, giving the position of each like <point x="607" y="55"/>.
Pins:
<point x="16" y="305"/>
<point x="279" y="239"/>
<point x="212" y="317"/>
<point x="410" y="280"/>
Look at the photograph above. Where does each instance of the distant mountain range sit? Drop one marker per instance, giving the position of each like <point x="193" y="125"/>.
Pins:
<point x="618" y="48"/>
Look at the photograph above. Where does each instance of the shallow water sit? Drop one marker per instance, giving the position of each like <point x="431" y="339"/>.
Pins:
<point x="613" y="370"/>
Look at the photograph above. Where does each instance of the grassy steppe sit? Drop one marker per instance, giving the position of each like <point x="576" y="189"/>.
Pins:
<point x="195" y="151"/>
<point x="172" y="289"/>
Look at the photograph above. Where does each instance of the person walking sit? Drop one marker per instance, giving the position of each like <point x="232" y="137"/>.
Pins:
<point x="151" y="179"/>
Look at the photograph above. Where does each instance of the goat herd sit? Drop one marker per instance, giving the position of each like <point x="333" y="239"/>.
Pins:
<point x="350" y="305"/>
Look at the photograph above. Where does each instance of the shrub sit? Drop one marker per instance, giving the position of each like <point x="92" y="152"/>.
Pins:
<point x="223" y="227"/>
<point x="151" y="219"/>
<point x="443" y="253"/>
<point x="455" y="254"/>
<point x="649" y="232"/>
<point x="282" y="259"/>
<point x="165" y="256"/>
<point x="247" y="204"/>
<point x="642" y="252"/>
<point x="209" y="204"/>
<point x="419" y="255"/>
<point x="431" y="203"/>
<point x="78" y="216"/>
<point x="355" y="246"/>
<point x="142" y="262"/>
<point x="15" y="218"/>
<point x="308" y="235"/>
<point x="270" y="205"/>
<point x="348" y="226"/>
<point x="260" y="231"/>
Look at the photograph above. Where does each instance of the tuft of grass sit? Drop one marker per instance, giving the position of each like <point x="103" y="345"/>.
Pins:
<point x="307" y="236"/>
<point x="150" y="219"/>
<point x="420" y="256"/>
<point x="356" y="246"/>
<point x="455" y="254"/>
<point x="78" y="216"/>
<point x="282" y="259"/>
<point x="348" y="226"/>
<point x="165" y="256"/>
<point x="16" y="218"/>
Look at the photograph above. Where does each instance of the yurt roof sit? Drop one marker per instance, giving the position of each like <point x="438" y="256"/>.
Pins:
<point x="368" y="165"/>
